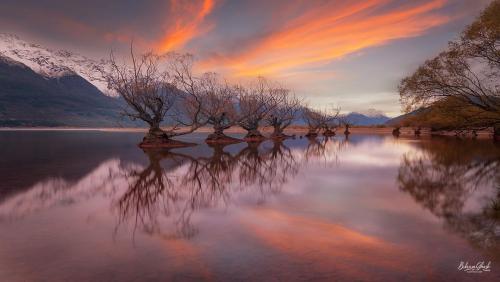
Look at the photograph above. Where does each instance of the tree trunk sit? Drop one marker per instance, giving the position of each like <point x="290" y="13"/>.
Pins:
<point x="396" y="132"/>
<point x="417" y="132"/>
<point x="219" y="137"/>
<point x="254" y="135"/>
<point x="278" y="133"/>
<point x="328" y="132"/>
<point x="312" y="133"/>
<point x="218" y="130"/>
<point x="155" y="130"/>
<point x="157" y="138"/>
<point x="474" y="134"/>
<point x="347" y="132"/>
<point x="496" y="133"/>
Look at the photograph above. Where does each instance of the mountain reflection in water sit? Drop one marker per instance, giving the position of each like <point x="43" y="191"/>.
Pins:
<point x="368" y="208"/>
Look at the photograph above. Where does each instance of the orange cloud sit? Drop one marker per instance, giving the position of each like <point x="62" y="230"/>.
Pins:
<point x="330" y="31"/>
<point x="184" y="21"/>
<point x="187" y="24"/>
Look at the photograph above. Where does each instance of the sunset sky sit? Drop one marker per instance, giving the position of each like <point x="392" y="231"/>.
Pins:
<point x="348" y="53"/>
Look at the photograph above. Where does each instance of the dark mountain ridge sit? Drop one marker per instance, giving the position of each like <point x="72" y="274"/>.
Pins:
<point x="29" y="99"/>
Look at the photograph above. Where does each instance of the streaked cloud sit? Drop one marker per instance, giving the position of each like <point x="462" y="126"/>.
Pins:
<point x="352" y="53"/>
<point x="329" y="31"/>
<point x="188" y="18"/>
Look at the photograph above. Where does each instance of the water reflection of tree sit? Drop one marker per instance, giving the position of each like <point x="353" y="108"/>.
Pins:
<point x="206" y="182"/>
<point x="446" y="174"/>
<point x="174" y="184"/>
<point x="151" y="191"/>
<point x="267" y="170"/>
<point x="212" y="174"/>
<point x="324" y="149"/>
<point x="281" y="163"/>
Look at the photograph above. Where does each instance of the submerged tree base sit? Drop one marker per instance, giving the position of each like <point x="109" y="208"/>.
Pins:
<point x="162" y="141"/>
<point x="254" y="137"/>
<point x="396" y="132"/>
<point x="281" y="136"/>
<point x="311" y="135"/>
<point x="329" y="133"/>
<point x="496" y="134"/>
<point x="417" y="132"/>
<point x="215" y="138"/>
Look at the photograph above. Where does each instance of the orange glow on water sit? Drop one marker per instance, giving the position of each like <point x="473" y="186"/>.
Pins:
<point x="307" y="238"/>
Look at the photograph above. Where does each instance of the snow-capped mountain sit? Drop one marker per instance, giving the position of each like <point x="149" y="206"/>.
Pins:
<point x="367" y="118"/>
<point x="54" y="63"/>
<point x="29" y="99"/>
<point x="372" y="113"/>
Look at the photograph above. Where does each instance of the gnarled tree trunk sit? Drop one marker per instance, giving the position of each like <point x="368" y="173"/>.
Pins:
<point x="417" y="131"/>
<point x="496" y="133"/>
<point x="347" y="132"/>
<point x="312" y="133"/>
<point x="278" y="133"/>
<point x="253" y="133"/>
<point x="396" y="131"/>
<point x="328" y="132"/>
<point x="157" y="138"/>
<point x="218" y="135"/>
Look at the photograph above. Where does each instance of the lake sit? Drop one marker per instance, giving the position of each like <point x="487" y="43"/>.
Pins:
<point x="92" y="206"/>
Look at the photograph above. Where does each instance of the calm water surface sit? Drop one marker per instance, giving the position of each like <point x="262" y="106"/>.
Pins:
<point x="91" y="206"/>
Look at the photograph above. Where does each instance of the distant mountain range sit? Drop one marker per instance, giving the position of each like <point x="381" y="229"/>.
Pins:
<point x="370" y="117"/>
<point x="367" y="118"/>
<point x="44" y="87"/>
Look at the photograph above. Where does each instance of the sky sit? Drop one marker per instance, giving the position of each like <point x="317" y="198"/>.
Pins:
<point x="350" y="54"/>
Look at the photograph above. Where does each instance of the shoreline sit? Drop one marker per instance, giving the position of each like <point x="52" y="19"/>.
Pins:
<point x="298" y="130"/>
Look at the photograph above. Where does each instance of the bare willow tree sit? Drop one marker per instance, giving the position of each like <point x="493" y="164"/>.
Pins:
<point x="317" y="120"/>
<point x="468" y="72"/>
<point x="256" y="100"/>
<point x="161" y="88"/>
<point x="211" y="100"/>
<point x="314" y="120"/>
<point x="150" y="96"/>
<point x="180" y="71"/>
<point x="284" y="113"/>
<point x="331" y="121"/>
<point x="219" y="108"/>
<point x="346" y="123"/>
